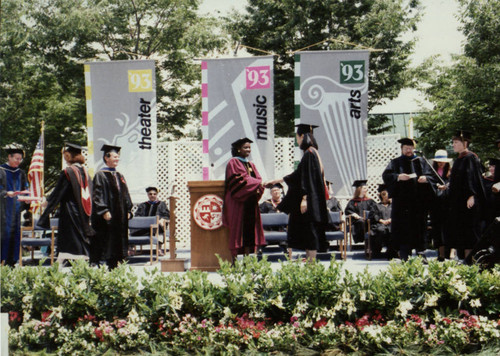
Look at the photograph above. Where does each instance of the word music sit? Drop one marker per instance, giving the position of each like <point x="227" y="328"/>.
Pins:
<point x="261" y="112"/>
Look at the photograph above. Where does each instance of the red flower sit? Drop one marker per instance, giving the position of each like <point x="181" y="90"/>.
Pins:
<point x="364" y="321"/>
<point x="98" y="333"/>
<point x="320" y="323"/>
<point x="46" y="315"/>
<point x="14" y="316"/>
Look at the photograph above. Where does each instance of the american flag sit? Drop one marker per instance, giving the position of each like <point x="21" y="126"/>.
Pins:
<point x="35" y="176"/>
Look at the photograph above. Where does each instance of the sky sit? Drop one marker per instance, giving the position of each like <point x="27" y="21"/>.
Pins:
<point x="438" y="34"/>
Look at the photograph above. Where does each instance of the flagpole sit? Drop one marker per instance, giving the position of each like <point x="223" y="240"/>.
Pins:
<point x="43" y="148"/>
<point x="42" y="133"/>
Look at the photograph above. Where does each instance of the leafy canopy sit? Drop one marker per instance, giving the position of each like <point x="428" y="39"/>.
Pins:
<point x="284" y="26"/>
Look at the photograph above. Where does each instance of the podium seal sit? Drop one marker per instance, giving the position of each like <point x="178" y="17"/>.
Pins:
<point x="207" y="212"/>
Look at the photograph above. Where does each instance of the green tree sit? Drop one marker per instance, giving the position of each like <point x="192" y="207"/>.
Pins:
<point x="44" y="44"/>
<point x="282" y="26"/>
<point x="466" y="95"/>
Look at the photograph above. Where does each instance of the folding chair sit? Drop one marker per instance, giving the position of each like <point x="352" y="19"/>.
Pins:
<point x="270" y="223"/>
<point x="340" y="235"/>
<point x="145" y="222"/>
<point x="34" y="241"/>
<point x="366" y="233"/>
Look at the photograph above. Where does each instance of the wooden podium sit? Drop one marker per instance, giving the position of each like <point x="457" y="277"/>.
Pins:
<point x="208" y="236"/>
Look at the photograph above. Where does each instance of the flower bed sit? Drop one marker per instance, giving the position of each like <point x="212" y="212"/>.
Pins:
<point x="443" y="307"/>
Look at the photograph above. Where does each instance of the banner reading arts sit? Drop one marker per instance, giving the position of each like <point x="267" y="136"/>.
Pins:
<point x="237" y="101"/>
<point x="331" y="91"/>
<point x="121" y="111"/>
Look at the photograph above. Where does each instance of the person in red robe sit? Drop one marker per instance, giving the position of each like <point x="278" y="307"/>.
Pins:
<point x="243" y="190"/>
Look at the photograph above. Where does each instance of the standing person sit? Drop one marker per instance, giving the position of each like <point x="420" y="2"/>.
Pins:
<point x="243" y="190"/>
<point x="12" y="182"/>
<point x="407" y="178"/>
<point x="112" y="208"/>
<point x="439" y="205"/>
<point x="271" y="205"/>
<point x="305" y="200"/>
<point x="466" y="196"/>
<point x="491" y="208"/>
<point x="73" y="194"/>
<point x="381" y="227"/>
<point x="356" y="207"/>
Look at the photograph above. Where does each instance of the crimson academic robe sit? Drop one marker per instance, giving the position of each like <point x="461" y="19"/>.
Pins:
<point x="73" y="193"/>
<point x="110" y="194"/>
<point x="241" y="212"/>
<point x="464" y="224"/>
<point x="410" y="200"/>
<point x="306" y="231"/>
<point x="11" y="179"/>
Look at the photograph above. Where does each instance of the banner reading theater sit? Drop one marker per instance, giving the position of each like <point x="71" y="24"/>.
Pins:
<point x="121" y="111"/>
<point x="237" y="101"/>
<point x="331" y="91"/>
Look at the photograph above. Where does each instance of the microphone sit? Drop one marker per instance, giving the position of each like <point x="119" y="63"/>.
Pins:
<point x="418" y="152"/>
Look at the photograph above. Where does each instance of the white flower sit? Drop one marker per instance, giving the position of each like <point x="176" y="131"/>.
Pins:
<point x="404" y="307"/>
<point x="175" y="300"/>
<point x="249" y="296"/>
<point x="475" y="303"/>
<point x="82" y="286"/>
<point x="431" y="300"/>
<point x="60" y="291"/>
<point x="133" y="316"/>
<point x="278" y="302"/>
<point x="362" y="296"/>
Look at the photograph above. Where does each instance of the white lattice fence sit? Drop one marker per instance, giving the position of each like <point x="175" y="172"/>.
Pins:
<point x="180" y="162"/>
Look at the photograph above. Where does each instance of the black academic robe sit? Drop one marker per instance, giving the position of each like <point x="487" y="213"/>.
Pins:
<point x="268" y="206"/>
<point x="149" y="208"/>
<point x="73" y="194"/>
<point x="464" y="224"/>
<point x="333" y="204"/>
<point x="110" y="194"/>
<point x="490" y="206"/>
<point x="410" y="200"/>
<point x="358" y="206"/>
<point x="438" y="212"/>
<point x="11" y="179"/>
<point x="306" y="231"/>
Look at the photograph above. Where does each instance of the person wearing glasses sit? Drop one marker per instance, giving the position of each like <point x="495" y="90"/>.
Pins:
<point x="12" y="182"/>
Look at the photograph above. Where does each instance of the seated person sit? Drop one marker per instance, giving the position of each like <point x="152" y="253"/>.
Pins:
<point x="270" y="205"/>
<point x="355" y="208"/>
<point x="381" y="226"/>
<point x="152" y="207"/>
<point x="332" y="203"/>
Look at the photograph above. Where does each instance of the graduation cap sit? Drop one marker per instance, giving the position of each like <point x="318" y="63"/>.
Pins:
<point x="408" y="141"/>
<point x="305" y="128"/>
<point x="463" y="135"/>
<point x="497" y="141"/>
<point x="240" y="142"/>
<point x="109" y="148"/>
<point x="14" y="148"/>
<point x="277" y="185"/>
<point x="72" y="148"/>
<point x="148" y="189"/>
<point x="359" y="183"/>
<point x="381" y="188"/>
